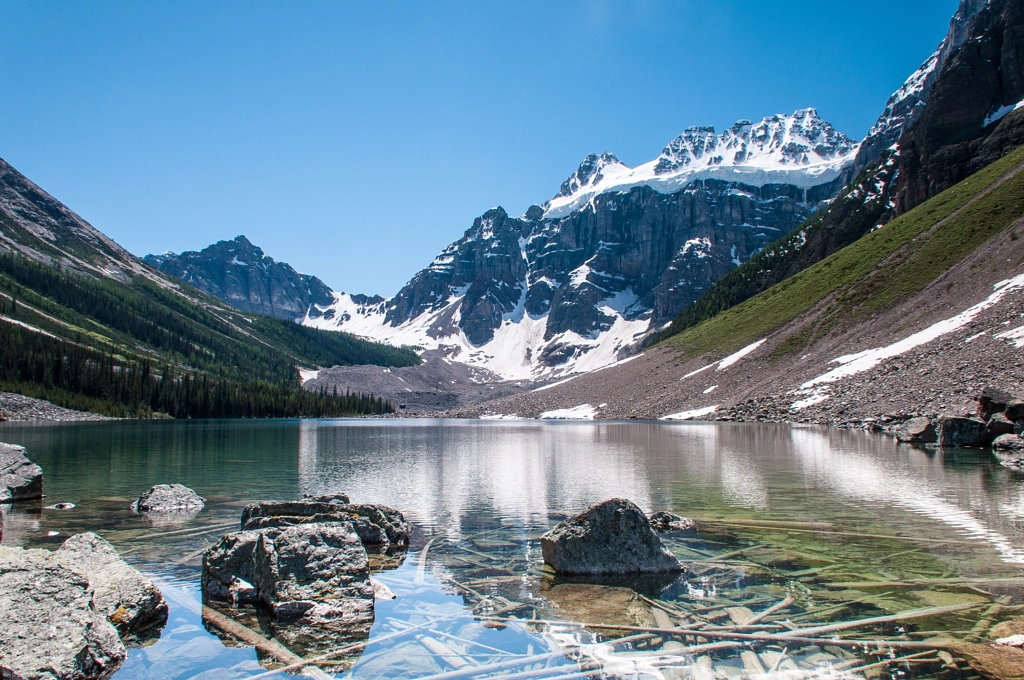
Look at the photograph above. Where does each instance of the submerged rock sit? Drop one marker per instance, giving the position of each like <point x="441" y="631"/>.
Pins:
<point x="613" y="537"/>
<point x="169" y="498"/>
<point x="599" y="603"/>
<point x="663" y="521"/>
<point x="61" y="612"/>
<point x="917" y="430"/>
<point x="963" y="432"/>
<point x="20" y="478"/>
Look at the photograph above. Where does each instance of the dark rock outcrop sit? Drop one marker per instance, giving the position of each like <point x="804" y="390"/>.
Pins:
<point x="20" y="478"/>
<point x="613" y="537"/>
<point x="61" y="612"/>
<point x="169" y="498"/>
<point x="963" y="432"/>
<point x="917" y="430"/>
<point x="243" y="276"/>
<point x="991" y="401"/>
<point x="999" y="424"/>
<point x="1014" y="410"/>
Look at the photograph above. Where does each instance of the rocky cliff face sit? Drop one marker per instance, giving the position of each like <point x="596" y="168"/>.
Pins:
<point x="574" y="284"/>
<point x="246" y="278"/>
<point x="972" y="116"/>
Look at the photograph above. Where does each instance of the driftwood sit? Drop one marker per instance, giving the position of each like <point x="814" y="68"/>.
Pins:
<point x="271" y="648"/>
<point x="496" y="667"/>
<point x="421" y="569"/>
<point x="449" y="655"/>
<point x="860" y="623"/>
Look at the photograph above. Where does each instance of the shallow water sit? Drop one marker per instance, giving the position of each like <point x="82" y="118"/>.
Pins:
<point x="846" y="524"/>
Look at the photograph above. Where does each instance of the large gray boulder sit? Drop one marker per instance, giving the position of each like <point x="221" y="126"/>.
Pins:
<point x="379" y="527"/>
<point x="917" y="430"/>
<point x="613" y="537"/>
<point x="169" y="498"/>
<point x="61" y="612"/>
<point x="129" y="600"/>
<point x="312" y="579"/>
<point x="20" y="478"/>
<point x="963" y="432"/>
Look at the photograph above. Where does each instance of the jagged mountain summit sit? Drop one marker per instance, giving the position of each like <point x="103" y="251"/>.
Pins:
<point x="245" y="277"/>
<point x="573" y="285"/>
<point x="800" y="150"/>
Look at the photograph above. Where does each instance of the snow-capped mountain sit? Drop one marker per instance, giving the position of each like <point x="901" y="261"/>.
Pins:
<point x="574" y="284"/>
<point x="800" y="150"/>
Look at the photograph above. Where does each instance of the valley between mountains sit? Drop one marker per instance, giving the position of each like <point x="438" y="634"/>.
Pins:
<point x="777" y="270"/>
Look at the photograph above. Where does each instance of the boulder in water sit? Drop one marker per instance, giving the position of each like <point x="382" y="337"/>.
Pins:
<point x="20" y="478"/>
<point x="663" y="521"/>
<point x="613" y="537"/>
<point x="963" y="432"/>
<point x="61" y="612"/>
<point x="917" y="430"/>
<point x="169" y="498"/>
<point x="121" y="593"/>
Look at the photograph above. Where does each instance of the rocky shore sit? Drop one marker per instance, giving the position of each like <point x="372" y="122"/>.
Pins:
<point x="19" y="407"/>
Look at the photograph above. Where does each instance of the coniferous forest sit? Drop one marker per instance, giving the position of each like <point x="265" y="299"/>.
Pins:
<point x="138" y="350"/>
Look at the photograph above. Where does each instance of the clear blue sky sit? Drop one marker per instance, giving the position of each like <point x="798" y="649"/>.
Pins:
<point x="356" y="139"/>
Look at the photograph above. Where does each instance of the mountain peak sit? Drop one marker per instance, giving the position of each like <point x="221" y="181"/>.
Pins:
<point x="799" y="148"/>
<point x="591" y="172"/>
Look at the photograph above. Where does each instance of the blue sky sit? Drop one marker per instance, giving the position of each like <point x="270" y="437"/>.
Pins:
<point x="356" y="140"/>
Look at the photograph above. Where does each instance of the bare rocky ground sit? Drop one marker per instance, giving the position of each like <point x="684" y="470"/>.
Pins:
<point x="19" y="407"/>
<point x="438" y="384"/>
<point x="941" y="377"/>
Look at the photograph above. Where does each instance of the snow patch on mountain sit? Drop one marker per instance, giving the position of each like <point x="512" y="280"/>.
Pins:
<point x="799" y="149"/>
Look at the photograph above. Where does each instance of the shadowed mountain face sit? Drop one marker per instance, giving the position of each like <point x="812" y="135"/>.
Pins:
<point x="246" y="278"/>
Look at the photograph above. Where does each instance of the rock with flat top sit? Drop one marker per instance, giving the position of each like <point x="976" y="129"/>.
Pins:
<point x="613" y="537"/>
<point x="963" y="432"/>
<point x="917" y="430"/>
<point x="168" y="499"/>
<point x="20" y="478"/>
<point x="999" y="424"/>
<point x="379" y="527"/>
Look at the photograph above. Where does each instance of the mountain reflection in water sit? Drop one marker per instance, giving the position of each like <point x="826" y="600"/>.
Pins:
<point x="847" y="524"/>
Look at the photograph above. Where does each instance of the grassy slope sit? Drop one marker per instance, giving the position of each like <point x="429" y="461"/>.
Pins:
<point x="881" y="268"/>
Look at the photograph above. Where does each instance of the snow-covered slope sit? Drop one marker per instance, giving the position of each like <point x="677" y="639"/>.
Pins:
<point x="573" y="285"/>
<point x="800" y="150"/>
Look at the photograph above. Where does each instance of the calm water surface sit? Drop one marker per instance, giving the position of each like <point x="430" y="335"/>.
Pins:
<point x="848" y="525"/>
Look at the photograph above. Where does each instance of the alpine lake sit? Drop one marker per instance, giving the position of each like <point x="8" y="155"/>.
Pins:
<point x="818" y="552"/>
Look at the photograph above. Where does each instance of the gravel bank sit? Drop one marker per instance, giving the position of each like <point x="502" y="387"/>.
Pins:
<point x="19" y="407"/>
